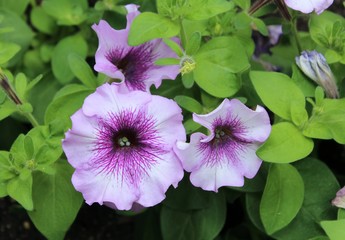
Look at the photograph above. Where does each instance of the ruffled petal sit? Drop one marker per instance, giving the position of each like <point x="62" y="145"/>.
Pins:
<point x="256" y="123"/>
<point x="307" y="6"/>
<point x="207" y="120"/>
<point x="132" y="12"/>
<point x="100" y="188"/>
<point x="188" y="153"/>
<point x="156" y="74"/>
<point x="168" y="171"/>
<point x="79" y="141"/>
<point x="168" y="115"/>
<point x="109" y="39"/>
<point x="212" y="178"/>
<point x="107" y="99"/>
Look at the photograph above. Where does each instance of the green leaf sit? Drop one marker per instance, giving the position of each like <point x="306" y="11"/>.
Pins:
<point x="82" y="70"/>
<point x="320" y="187"/>
<point x="327" y="121"/>
<point x="334" y="229"/>
<point x="188" y="80"/>
<point x="285" y="144"/>
<point x="67" y="12"/>
<point x="42" y="94"/>
<point x="20" y="85"/>
<point x="70" y="45"/>
<point x="188" y="103"/>
<point x="7" y="108"/>
<point x="243" y="4"/>
<point x="20" y="189"/>
<point x="282" y="198"/>
<point x="19" y="33"/>
<point x="327" y="30"/>
<point x="7" y="51"/>
<point x="191" y="126"/>
<point x="7" y="171"/>
<point x="279" y="93"/>
<point x="42" y="21"/>
<point x="217" y="61"/>
<point x="174" y="46"/>
<point x="260" y="25"/>
<point x="341" y="213"/>
<point x="193" y="43"/>
<point x="303" y="82"/>
<point x="56" y="201"/>
<point x="29" y="147"/>
<point x="147" y="26"/>
<point x="206" y="9"/>
<point x="167" y="61"/>
<point x="63" y="106"/>
<point x="188" y="197"/>
<point x="18" y="6"/>
<point x="203" y="224"/>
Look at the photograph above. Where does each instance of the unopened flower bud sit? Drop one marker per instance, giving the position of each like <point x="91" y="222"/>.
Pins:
<point x="339" y="200"/>
<point x="314" y="65"/>
<point x="8" y="89"/>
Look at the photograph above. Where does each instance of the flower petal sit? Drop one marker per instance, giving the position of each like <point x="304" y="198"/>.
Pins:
<point x="167" y="172"/>
<point x="307" y="6"/>
<point x="167" y="114"/>
<point x="188" y="153"/>
<point x="106" y="35"/>
<point x="212" y="178"/>
<point x="107" y="99"/>
<point x="100" y="188"/>
<point x="78" y="142"/>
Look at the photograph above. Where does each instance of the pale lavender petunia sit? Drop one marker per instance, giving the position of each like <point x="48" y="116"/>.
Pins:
<point x="227" y="155"/>
<point x="121" y="146"/>
<point x="133" y="66"/>
<point x="308" y="6"/>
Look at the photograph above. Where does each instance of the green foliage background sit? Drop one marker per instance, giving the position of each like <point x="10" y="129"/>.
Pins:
<point x="47" y="53"/>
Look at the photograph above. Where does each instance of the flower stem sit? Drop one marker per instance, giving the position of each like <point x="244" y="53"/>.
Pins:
<point x="31" y="119"/>
<point x="295" y="34"/>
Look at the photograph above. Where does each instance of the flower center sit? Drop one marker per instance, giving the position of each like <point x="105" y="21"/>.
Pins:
<point x="187" y="64"/>
<point x="125" y="138"/>
<point x="222" y="133"/>
<point x="134" y="64"/>
<point x="124" y="142"/>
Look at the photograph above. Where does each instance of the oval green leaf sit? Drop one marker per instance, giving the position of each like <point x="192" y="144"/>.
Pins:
<point x="285" y="144"/>
<point x="203" y="224"/>
<point x="282" y="198"/>
<point x="278" y="92"/>
<point x="148" y="26"/>
<point x="61" y="68"/>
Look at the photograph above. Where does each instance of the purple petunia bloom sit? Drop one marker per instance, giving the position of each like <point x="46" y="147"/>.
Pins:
<point x="227" y="155"/>
<point x="307" y="6"/>
<point x="121" y="146"/>
<point x="133" y="66"/>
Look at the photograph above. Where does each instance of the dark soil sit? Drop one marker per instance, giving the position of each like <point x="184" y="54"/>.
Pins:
<point x="92" y="223"/>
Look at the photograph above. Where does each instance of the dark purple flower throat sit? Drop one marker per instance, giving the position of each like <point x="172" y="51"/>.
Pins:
<point x="134" y="63"/>
<point x="127" y="145"/>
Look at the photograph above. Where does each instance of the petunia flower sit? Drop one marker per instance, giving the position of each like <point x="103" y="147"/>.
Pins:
<point x="121" y="146"/>
<point x="227" y="155"/>
<point x="314" y="65"/>
<point x="308" y="6"/>
<point x="133" y="66"/>
<point x="339" y="200"/>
